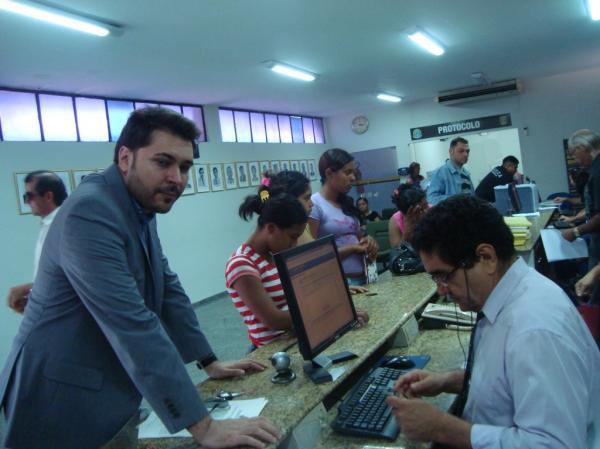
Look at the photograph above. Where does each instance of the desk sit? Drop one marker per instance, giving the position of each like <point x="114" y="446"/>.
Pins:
<point x="446" y="354"/>
<point x="532" y="251"/>
<point x="398" y="297"/>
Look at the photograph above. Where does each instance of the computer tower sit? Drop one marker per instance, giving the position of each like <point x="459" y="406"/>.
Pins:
<point x="528" y="199"/>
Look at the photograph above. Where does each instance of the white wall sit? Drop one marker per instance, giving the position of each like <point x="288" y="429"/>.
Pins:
<point x="550" y="107"/>
<point x="198" y="235"/>
<point x="492" y="147"/>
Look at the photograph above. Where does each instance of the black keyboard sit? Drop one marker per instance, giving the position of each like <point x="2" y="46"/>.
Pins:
<point x="364" y="412"/>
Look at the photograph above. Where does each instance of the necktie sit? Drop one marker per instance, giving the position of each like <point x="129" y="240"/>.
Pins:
<point x="461" y="400"/>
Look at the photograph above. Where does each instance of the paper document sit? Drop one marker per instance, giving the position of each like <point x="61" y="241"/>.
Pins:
<point x="557" y="248"/>
<point x="153" y="427"/>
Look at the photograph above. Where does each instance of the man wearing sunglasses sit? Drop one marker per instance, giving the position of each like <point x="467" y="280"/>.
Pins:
<point x="531" y="376"/>
<point x="452" y="178"/>
<point x="44" y="193"/>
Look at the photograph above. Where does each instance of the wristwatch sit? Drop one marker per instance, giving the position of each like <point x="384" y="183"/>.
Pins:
<point x="210" y="358"/>
<point x="576" y="232"/>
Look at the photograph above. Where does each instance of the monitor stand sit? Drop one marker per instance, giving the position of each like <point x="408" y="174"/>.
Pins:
<point x="316" y="369"/>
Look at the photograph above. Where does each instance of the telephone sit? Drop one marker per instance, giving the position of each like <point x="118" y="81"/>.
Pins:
<point x="450" y="314"/>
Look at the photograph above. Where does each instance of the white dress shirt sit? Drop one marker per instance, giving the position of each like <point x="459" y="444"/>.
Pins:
<point x="44" y="226"/>
<point x="536" y="374"/>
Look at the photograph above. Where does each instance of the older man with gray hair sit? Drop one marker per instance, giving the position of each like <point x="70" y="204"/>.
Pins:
<point x="585" y="146"/>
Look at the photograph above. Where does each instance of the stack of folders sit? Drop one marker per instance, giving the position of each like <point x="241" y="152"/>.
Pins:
<point x="519" y="226"/>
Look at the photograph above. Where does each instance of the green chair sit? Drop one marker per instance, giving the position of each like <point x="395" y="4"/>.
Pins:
<point x="379" y="231"/>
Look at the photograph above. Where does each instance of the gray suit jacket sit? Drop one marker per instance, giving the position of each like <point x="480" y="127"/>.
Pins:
<point x="107" y="322"/>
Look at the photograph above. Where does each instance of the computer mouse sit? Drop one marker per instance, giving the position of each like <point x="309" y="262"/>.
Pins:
<point x="400" y="362"/>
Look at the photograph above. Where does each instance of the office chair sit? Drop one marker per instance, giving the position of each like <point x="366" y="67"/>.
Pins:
<point x="379" y="231"/>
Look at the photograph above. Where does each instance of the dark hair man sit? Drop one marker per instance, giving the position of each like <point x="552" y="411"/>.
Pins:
<point x="532" y="372"/>
<point x="108" y="321"/>
<point x="499" y="176"/>
<point x="45" y="193"/>
<point x="451" y="178"/>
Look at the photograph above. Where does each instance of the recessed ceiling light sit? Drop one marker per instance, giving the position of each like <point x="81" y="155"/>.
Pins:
<point x="57" y="17"/>
<point x="293" y="72"/>
<point x="390" y="98"/>
<point x="594" y="9"/>
<point x="426" y="42"/>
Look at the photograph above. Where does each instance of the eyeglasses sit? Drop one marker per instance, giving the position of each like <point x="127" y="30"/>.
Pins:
<point x="28" y="196"/>
<point x="443" y="279"/>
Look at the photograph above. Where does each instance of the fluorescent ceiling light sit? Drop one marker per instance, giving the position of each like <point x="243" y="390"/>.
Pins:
<point x="292" y="72"/>
<point x="56" y="17"/>
<point x="426" y="42"/>
<point x="390" y="98"/>
<point x="594" y="9"/>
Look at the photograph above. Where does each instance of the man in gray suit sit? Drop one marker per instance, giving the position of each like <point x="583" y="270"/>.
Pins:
<point x="107" y="321"/>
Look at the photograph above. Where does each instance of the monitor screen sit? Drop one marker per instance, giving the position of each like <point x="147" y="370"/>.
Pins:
<point x="513" y="195"/>
<point x="318" y="297"/>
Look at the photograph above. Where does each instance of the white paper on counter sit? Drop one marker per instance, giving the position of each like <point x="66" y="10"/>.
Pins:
<point x="153" y="427"/>
<point x="557" y="248"/>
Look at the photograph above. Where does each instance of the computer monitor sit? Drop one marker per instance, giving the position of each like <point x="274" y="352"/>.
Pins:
<point x="318" y="298"/>
<point x="513" y="195"/>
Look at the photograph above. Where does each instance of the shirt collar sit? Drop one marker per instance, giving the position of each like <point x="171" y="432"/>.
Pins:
<point x="453" y="168"/>
<point x="47" y="220"/>
<point x="501" y="293"/>
<point x="144" y="217"/>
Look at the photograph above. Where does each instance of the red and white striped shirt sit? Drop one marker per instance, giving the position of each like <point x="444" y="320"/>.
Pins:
<point x="247" y="262"/>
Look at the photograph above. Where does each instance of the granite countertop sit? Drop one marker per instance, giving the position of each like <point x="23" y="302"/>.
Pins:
<point x="537" y="224"/>
<point x="396" y="299"/>
<point x="446" y="354"/>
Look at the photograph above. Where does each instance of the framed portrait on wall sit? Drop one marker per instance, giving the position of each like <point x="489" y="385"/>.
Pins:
<point x="254" y="171"/>
<point x="216" y="177"/>
<point x="190" y="187"/>
<point x="201" y="178"/>
<point x="275" y="167"/>
<point x="65" y="176"/>
<point x="285" y="165"/>
<point x="78" y="175"/>
<point x="312" y="170"/>
<point x="230" y="177"/>
<point x="304" y="168"/>
<point x="264" y="167"/>
<point x="23" y="207"/>
<point x="295" y="165"/>
<point x="241" y="169"/>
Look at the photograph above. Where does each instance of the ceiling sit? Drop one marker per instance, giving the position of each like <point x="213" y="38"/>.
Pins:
<point x="213" y="51"/>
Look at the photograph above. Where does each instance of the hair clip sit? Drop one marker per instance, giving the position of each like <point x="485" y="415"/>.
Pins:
<point x="264" y="195"/>
<point x="265" y="182"/>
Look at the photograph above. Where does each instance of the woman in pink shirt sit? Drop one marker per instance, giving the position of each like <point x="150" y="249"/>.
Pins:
<point x="412" y="205"/>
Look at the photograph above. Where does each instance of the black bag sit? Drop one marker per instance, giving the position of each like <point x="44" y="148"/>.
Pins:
<point x="404" y="260"/>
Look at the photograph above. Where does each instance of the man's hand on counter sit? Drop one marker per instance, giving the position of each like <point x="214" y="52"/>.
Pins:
<point x="253" y="432"/>
<point x="237" y="368"/>
<point x="421" y="421"/>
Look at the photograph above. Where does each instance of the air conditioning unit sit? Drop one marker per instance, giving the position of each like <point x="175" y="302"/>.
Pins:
<point x="478" y="93"/>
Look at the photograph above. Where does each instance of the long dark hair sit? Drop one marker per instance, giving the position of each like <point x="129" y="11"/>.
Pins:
<point x="286" y="181"/>
<point x="406" y="196"/>
<point x="283" y="210"/>
<point x="335" y="159"/>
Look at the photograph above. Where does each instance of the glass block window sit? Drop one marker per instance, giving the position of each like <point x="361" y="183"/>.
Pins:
<point x="257" y="123"/>
<point x="307" y="127"/>
<point x="91" y="119"/>
<point x="285" y="128"/>
<point x="227" y="125"/>
<point x="58" y="117"/>
<point x="195" y="114"/>
<point x="297" y="132"/>
<point x="18" y="116"/>
<point x="242" y="126"/>
<point x="36" y="115"/>
<point x="260" y="127"/>
<point x="118" y="113"/>
<point x="272" y="128"/>
<point x="319" y="132"/>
